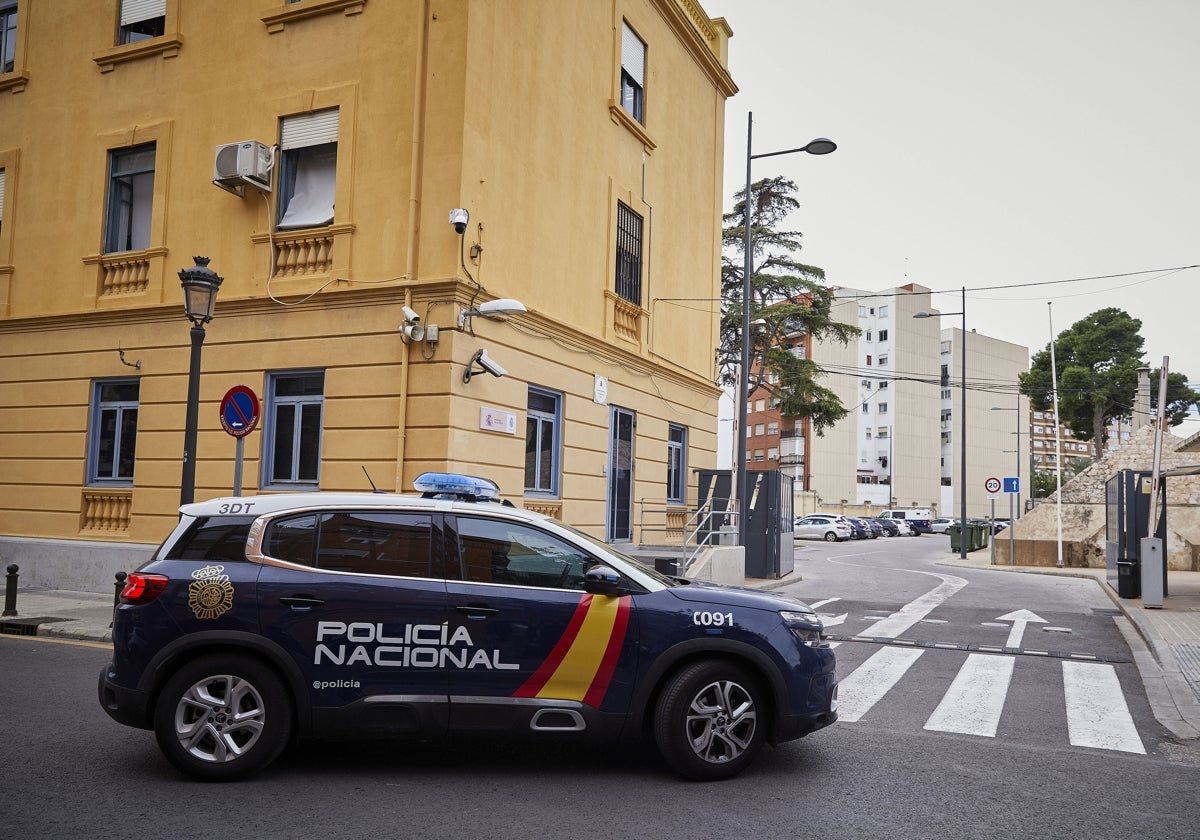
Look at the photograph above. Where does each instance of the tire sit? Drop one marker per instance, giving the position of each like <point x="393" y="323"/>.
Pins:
<point x="830" y="536"/>
<point x="222" y="718"/>
<point x="710" y="721"/>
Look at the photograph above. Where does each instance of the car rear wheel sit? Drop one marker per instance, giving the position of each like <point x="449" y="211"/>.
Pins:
<point x="223" y="718"/>
<point x="831" y="536"/>
<point x="710" y="721"/>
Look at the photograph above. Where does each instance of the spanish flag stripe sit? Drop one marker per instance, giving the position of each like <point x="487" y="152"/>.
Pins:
<point x="608" y="664"/>
<point x="578" y="668"/>
<point x="539" y="678"/>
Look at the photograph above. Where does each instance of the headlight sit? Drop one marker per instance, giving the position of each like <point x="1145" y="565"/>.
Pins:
<point x="805" y="626"/>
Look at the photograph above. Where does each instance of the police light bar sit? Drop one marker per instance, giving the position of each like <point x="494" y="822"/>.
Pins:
<point x="456" y="484"/>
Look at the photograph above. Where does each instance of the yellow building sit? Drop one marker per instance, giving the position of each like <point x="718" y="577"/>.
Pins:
<point x="583" y="139"/>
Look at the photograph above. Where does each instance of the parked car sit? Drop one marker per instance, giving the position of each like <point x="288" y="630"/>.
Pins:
<point x="891" y="527"/>
<point x="907" y="529"/>
<point x="939" y="526"/>
<point x="261" y="620"/>
<point x="918" y="518"/>
<point x="817" y="526"/>
<point x="857" y="526"/>
<point x="874" y="529"/>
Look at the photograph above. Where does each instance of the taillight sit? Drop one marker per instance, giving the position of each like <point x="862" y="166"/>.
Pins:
<point x="142" y="589"/>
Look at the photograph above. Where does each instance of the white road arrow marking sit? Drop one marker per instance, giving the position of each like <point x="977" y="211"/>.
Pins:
<point x="1019" y="618"/>
<point x="831" y="620"/>
<point x="816" y="604"/>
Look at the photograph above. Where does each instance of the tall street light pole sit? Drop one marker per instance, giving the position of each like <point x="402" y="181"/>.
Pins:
<point x="962" y="443"/>
<point x="200" y="284"/>
<point x="819" y="146"/>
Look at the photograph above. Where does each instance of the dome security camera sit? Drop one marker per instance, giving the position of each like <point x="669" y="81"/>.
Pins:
<point x="410" y="315"/>
<point x="459" y="218"/>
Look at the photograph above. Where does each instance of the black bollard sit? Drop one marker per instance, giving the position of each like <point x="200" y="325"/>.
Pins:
<point x="118" y="587"/>
<point x="10" y="590"/>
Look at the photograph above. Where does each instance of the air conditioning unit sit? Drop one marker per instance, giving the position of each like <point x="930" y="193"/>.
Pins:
<point x="239" y="164"/>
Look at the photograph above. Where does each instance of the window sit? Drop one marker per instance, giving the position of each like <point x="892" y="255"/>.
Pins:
<point x="868" y="434"/>
<point x="292" y="432"/>
<point x="883" y="384"/>
<point x="113" y="437"/>
<point x="945" y="347"/>
<point x="868" y="335"/>
<point x="883" y="335"/>
<point x="8" y="36"/>
<point x="543" y="424"/>
<point x="141" y="20"/>
<point x="883" y="408"/>
<point x="308" y="145"/>
<point x="773" y="428"/>
<point x="945" y="374"/>
<point x="866" y="383"/>
<point x="760" y="405"/>
<point x="883" y="312"/>
<point x="868" y="361"/>
<point x="866" y="408"/>
<point x="946" y="393"/>
<point x="676" y="464"/>
<point x="374" y="542"/>
<point x="772" y="453"/>
<point x="758" y="454"/>
<point x="882" y="432"/>
<point x="1037" y="430"/>
<point x="883" y="360"/>
<point x="760" y="429"/>
<point x="494" y="551"/>
<point x="862" y="313"/>
<point x="633" y="73"/>
<point x="130" y="199"/>
<point x="629" y="255"/>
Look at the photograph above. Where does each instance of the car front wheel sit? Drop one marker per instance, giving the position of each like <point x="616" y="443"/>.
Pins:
<point x="710" y="721"/>
<point x="222" y="718"/>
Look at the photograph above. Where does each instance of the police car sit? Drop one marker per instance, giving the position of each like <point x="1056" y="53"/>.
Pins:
<point x="333" y="616"/>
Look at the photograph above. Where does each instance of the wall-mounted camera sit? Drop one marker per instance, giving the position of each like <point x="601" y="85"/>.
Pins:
<point x="459" y="218"/>
<point x="412" y="328"/>
<point x="486" y="365"/>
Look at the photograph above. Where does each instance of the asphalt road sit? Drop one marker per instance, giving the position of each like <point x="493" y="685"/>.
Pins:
<point x="70" y="772"/>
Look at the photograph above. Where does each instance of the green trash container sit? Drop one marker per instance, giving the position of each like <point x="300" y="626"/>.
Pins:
<point x="955" y="541"/>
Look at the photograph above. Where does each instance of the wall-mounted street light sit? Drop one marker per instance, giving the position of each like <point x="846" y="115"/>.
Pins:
<point x="962" y="443"/>
<point x="200" y="284"/>
<point x="819" y="146"/>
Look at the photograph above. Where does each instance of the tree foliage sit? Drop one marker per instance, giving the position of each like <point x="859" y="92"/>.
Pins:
<point x="1097" y="359"/>
<point x="787" y="298"/>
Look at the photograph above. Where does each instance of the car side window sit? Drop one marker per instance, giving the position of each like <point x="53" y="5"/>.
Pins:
<point x="494" y="551"/>
<point x="375" y="543"/>
<point x="361" y="542"/>
<point x="217" y="538"/>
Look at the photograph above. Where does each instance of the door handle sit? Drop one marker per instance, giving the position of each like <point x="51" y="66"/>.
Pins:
<point x="300" y="602"/>
<point x="477" y="611"/>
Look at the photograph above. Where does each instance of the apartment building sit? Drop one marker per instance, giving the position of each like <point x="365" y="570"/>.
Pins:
<point x="345" y="165"/>
<point x="899" y="445"/>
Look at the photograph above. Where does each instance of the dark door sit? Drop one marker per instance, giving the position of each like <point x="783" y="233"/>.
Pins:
<point x="620" y="475"/>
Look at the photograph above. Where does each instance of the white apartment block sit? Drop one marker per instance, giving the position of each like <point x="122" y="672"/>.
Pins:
<point x="899" y="446"/>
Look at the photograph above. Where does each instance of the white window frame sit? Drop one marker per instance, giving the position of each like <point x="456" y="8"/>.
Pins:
<point x="676" y="464"/>
<point x="110" y="424"/>
<point x="308" y="145"/>
<point x="141" y="20"/>
<point x="540" y="423"/>
<point x="300" y="407"/>
<point x="130" y="203"/>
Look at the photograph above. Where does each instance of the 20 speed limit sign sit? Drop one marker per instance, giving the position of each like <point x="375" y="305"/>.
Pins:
<point x="992" y="485"/>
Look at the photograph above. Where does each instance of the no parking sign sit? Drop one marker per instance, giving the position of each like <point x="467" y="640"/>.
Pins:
<point x="239" y="417"/>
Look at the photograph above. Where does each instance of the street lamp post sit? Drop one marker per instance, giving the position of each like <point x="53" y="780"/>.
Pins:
<point x="962" y="443"/>
<point x="1017" y="450"/>
<point x="200" y="284"/>
<point x="819" y="146"/>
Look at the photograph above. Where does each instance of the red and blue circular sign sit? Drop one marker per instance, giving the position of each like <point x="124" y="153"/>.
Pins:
<point x="239" y="411"/>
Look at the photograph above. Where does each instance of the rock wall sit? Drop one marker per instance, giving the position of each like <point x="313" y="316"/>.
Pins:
<point x="1035" y="534"/>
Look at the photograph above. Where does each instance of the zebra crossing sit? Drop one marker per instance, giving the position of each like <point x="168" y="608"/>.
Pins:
<point x="1096" y="712"/>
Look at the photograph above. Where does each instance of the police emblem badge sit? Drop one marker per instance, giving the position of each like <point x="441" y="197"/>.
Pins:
<point x="210" y="595"/>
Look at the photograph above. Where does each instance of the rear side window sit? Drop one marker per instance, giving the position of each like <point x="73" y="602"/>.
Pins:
<point x="360" y="542"/>
<point x="215" y="538"/>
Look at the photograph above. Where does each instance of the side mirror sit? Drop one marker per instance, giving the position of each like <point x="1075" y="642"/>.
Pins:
<point x="601" y="580"/>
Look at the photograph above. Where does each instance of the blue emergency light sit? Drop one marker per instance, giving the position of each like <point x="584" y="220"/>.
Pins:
<point x="472" y="487"/>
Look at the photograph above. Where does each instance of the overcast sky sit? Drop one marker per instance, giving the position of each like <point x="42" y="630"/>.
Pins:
<point x="987" y="144"/>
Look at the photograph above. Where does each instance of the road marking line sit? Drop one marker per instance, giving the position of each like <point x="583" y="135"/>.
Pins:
<point x="973" y="703"/>
<point x="1097" y="715"/>
<point x="915" y="610"/>
<point x="870" y="681"/>
<point x="816" y="604"/>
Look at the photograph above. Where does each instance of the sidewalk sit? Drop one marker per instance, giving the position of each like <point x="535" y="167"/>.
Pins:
<point x="1165" y="642"/>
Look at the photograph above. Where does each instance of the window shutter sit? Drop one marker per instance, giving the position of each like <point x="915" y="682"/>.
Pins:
<point x="633" y="55"/>
<point x="312" y="129"/>
<point x="135" y="11"/>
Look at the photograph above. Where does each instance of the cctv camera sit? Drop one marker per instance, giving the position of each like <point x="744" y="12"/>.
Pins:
<point x="458" y="218"/>
<point x="489" y="364"/>
<point x="410" y="315"/>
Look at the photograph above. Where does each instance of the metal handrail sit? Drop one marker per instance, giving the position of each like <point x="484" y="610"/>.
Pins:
<point x="701" y="521"/>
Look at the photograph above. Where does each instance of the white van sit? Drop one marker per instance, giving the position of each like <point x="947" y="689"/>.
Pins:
<point x="919" y="518"/>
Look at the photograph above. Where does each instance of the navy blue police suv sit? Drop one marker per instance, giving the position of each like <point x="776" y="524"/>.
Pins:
<point x="265" y="619"/>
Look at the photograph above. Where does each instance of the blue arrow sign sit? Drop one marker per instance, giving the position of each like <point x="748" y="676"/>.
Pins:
<point x="1012" y="485"/>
